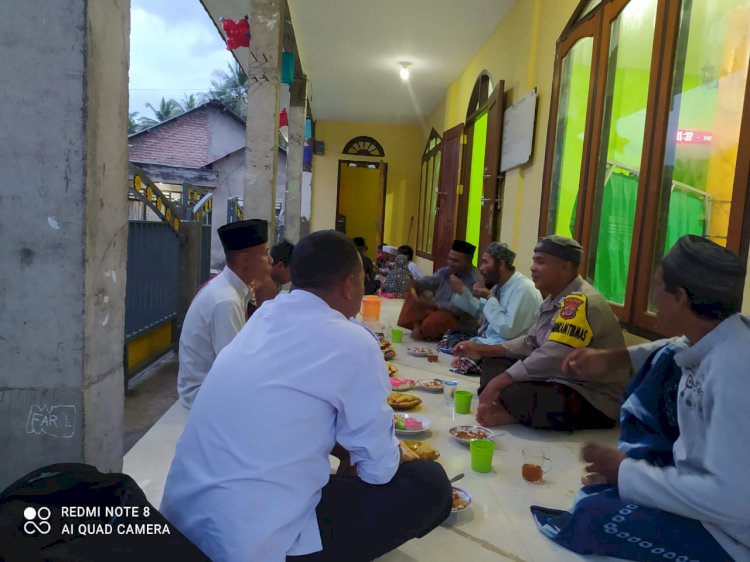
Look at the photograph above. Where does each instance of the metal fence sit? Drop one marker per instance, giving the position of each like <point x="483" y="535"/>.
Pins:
<point x="153" y="276"/>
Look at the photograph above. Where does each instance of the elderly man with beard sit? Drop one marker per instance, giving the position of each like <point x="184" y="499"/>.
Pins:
<point x="507" y="310"/>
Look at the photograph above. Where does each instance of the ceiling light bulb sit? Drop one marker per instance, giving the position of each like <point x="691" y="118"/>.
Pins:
<point x="404" y="72"/>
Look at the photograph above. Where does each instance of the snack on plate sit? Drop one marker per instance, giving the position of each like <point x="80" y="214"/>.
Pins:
<point x="459" y="503"/>
<point x="389" y="353"/>
<point x="425" y="451"/>
<point x="392" y="369"/>
<point x="401" y="401"/>
<point x="435" y="385"/>
<point x="403" y="384"/>
<point x="404" y="423"/>
<point x="384" y="344"/>
<point x="469" y="433"/>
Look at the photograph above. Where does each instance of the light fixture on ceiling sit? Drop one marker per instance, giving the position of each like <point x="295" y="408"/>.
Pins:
<point x="404" y="72"/>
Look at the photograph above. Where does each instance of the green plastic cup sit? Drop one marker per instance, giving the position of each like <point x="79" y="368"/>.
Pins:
<point x="462" y="400"/>
<point x="396" y="335"/>
<point x="481" y="455"/>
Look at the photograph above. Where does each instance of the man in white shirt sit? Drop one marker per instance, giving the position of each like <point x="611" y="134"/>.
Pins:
<point x="695" y="508"/>
<point x="251" y="476"/>
<point x="219" y="309"/>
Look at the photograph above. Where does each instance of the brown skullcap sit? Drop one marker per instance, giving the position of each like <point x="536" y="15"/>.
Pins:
<point x="562" y="247"/>
<point x="464" y="247"/>
<point x="704" y="268"/>
<point x="240" y="235"/>
<point x="501" y="252"/>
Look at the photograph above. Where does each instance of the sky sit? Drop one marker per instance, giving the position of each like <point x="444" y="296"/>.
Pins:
<point x="174" y="50"/>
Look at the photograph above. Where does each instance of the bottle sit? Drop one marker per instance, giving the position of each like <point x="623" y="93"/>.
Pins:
<point x="449" y="391"/>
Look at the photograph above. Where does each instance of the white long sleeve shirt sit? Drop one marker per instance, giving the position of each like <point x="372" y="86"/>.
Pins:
<point x="509" y="312"/>
<point x="249" y="468"/>
<point x="215" y="316"/>
<point x="709" y="481"/>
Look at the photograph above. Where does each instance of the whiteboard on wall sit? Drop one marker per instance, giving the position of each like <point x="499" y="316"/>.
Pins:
<point x="518" y="132"/>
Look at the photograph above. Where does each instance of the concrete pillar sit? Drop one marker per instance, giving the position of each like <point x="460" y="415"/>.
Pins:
<point x="294" y="158"/>
<point x="63" y="232"/>
<point x="262" y="130"/>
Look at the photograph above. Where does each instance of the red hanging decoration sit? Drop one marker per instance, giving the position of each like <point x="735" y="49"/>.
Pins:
<point x="237" y="32"/>
<point x="283" y="118"/>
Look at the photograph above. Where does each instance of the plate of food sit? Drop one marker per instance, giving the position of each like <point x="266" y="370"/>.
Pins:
<point x="401" y="384"/>
<point x="461" y="500"/>
<point x="424" y="450"/>
<point x="467" y="433"/>
<point x="389" y="353"/>
<point x="418" y="351"/>
<point x="401" y="401"/>
<point x="430" y="385"/>
<point x="384" y="344"/>
<point x="407" y="424"/>
<point x="392" y="369"/>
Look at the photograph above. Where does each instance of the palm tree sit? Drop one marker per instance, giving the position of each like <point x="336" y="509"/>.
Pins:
<point x="189" y="102"/>
<point x="168" y="108"/>
<point x="133" y="123"/>
<point x="230" y="89"/>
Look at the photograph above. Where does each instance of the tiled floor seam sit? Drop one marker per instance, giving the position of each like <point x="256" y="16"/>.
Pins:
<point x="486" y="545"/>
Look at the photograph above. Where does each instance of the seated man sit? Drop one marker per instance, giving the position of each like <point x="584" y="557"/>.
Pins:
<point x="527" y="384"/>
<point x="399" y="280"/>
<point x="371" y="284"/>
<point x="508" y="310"/>
<point x="407" y="251"/>
<point x="694" y="508"/>
<point x="219" y="309"/>
<point x="429" y="310"/>
<point x="251" y="476"/>
<point x="281" y="256"/>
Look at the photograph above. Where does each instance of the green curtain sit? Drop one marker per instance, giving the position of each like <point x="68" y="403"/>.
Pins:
<point x="615" y="236"/>
<point x="687" y="215"/>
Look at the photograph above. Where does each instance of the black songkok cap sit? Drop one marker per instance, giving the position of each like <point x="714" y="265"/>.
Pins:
<point x="704" y="268"/>
<point x="243" y="234"/>
<point x="562" y="247"/>
<point x="464" y="247"/>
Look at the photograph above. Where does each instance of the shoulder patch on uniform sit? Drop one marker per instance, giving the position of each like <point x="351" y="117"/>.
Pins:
<point x="571" y="327"/>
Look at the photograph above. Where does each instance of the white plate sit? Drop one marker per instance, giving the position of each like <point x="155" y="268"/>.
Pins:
<point x="418" y="351"/>
<point x="406" y="386"/>
<point x="464" y="495"/>
<point x="474" y="428"/>
<point x="422" y="384"/>
<point x="419" y="417"/>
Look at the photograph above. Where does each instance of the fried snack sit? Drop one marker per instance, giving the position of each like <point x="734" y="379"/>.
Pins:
<point x="384" y="344"/>
<point x="392" y="369"/>
<point x="389" y="354"/>
<point x="401" y="401"/>
<point x="458" y="502"/>
<point x="471" y="434"/>
<point x="425" y="451"/>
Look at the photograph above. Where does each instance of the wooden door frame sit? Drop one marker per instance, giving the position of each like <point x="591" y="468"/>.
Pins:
<point x="383" y="189"/>
<point x="492" y="176"/>
<point x="447" y="189"/>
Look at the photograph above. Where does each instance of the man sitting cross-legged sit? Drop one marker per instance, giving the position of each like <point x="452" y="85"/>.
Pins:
<point x="524" y="382"/>
<point x="507" y="310"/>
<point x="251" y="480"/>
<point x="693" y="504"/>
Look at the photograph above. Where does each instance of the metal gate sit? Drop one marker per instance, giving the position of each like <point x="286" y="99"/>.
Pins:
<point x="198" y="206"/>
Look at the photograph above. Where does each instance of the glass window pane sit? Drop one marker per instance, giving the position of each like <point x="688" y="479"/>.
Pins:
<point x="708" y="92"/>
<point x="619" y="164"/>
<point x="420" y="226"/>
<point x="476" y="183"/>
<point x="569" y="133"/>
<point x="433" y="202"/>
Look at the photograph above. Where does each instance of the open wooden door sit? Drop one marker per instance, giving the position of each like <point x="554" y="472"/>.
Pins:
<point x="445" y="217"/>
<point x="491" y="197"/>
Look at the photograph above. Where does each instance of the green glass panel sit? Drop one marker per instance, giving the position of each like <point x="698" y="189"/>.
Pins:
<point x="590" y="6"/>
<point x="623" y="124"/>
<point x="708" y="93"/>
<point x="569" y="136"/>
<point x="476" y="184"/>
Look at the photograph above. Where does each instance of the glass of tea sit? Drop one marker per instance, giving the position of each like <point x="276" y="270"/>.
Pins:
<point x="535" y="465"/>
<point x="432" y="356"/>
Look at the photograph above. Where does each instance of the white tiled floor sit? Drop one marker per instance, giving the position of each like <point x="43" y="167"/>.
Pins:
<point x="498" y="526"/>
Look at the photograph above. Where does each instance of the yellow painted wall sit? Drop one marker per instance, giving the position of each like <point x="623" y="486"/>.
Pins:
<point x="403" y="146"/>
<point x="359" y="202"/>
<point x="521" y="51"/>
